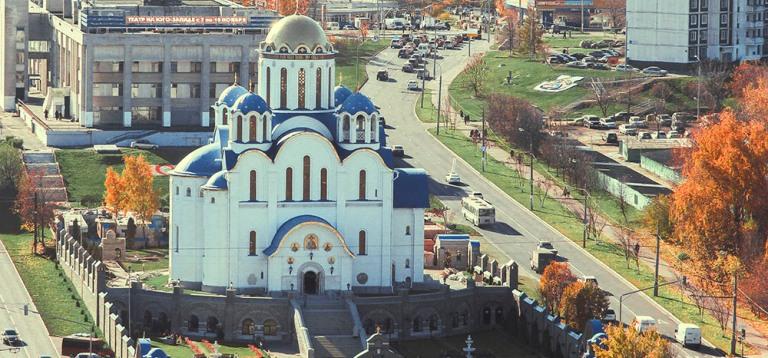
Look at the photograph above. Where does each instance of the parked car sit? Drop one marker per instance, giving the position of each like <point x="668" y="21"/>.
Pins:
<point x="644" y="135"/>
<point x="382" y="75"/>
<point x="674" y="135"/>
<point x="637" y="122"/>
<point x="578" y="55"/>
<point x="665" y="120"/>
<point x="10" y="337"/>
<point x="599" y="66"/>
<point x="608" y="123"/>
<point x="678" y="125"/>
<point x="591" y="121"/>
<point x="396" y="44"/>
<point x="611" y="138"/>
<point x="609" y="315"/>
<point x="413" y="85"/>
<point x="555" y="59"/>
<point x="627" y="129"/>
<point x="408" y="68"/>
<point x="144" y="144"/>
<point x="576" y="64"/>
<point x="589" y="59"/>
<point x="546" y="245"/>
<point x="659" y="135"/>
<point x="453" y="178"/>
<point x="404" y="53"/>
<point x="625" y="68"/>
<point x="654" y="71"/>
<point x="398" y="151"/>
<point x="589" y="279"/>
<point x="622" y="116"/>
<point x="683" y="116"/>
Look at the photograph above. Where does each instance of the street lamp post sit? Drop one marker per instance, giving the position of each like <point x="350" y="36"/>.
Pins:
<point x="621" y="298"/>
<point x="698" y="87"/>
<point x="585" y="234"/>
<point x="530" y="142"/>
<point x="733" y="328"/>
<point x="656" y="274"/>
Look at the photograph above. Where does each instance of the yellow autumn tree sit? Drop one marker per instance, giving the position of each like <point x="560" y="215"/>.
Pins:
<point x="629" y="343"/>
<point x="138" y="182"/>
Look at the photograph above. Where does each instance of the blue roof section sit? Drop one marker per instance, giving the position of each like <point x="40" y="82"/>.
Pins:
<point x="453" y="237"/>
<point x="203" y="161"/>
<point x="221" y="135"/>
<point x="411" y="188"/>
<point x="386" y="155"/>
<point x="340" y="94"/>
<point x="357" y="102"/>
<point x="287" y="227"/>
<point x="231" y="94"/>
<point x="475" y="243"/>
<point x="251" y="102"/>
<point x="217" y="181"/>
<point x="155" y="353"/>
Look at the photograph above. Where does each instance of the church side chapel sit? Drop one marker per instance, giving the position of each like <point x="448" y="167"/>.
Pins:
<point x="297" y="192"/>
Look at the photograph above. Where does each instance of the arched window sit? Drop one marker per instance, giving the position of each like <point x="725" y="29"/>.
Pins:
<point x="318" y="88"/>
<point x="373" y="125"/>
<point x="239" y="128"/>
<point x="252" y="195"/>
<point x="330" y="82"/>
<point x="345" y="128"/>
<point x="189" y="192"/>
<point x="248" y="328"/>
<point x="211" y="115"/>
<point x="360" y="128"/>
<point x="269" y="89"/>
<point x="301" y="91"/>
<point x="177" y="190"/>
<point x="264" y="129"/>
<point x="224" y="116"/>
<point x="252" y="244"/>
<point x="283" y="88"/>
<point x="361" y="242"/>
<point x="211" y="324"/>
<point x="270" y="327"/>
<point x="193" y="324"/>
<point x="306" y="176"/>
<point x="289" y="184"/>
<point x="455" y="320"/>
<point x="417" y="324"/>
<point x="407" y="263"/>
<point x="252" y="129"/>
<point x="407" y="229"/>
<point x="361" y="188"/>
<point x="213" y="200"/>
<point x="433" y="325"/>
<point x="323" y="184"/>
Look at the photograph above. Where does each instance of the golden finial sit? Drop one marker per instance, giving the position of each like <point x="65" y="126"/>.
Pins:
<point x="235" y="83"/>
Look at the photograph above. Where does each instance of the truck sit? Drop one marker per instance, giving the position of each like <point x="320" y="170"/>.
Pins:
<point x="540" y="258"/>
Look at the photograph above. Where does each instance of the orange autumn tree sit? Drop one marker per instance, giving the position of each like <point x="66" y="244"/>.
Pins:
<point x="31" y="187"/>
<point x="629" y="343"/>
<point x="745" y="75"/>
<point x="138" y="182"/>
<point x="581" y="302"/>
<point x="555" y="278"/>
<point x="292" y="7"/>
<point x="754" y="103"/>
<point x="115" y="198"/>
<point x="722" y="205"/>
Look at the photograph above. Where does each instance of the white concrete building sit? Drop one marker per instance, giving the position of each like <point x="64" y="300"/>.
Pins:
<point x="672" y="33"/>
<point x="297" y="192"/>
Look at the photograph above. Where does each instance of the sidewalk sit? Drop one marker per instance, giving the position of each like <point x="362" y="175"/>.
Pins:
<point x="611" y="232"/>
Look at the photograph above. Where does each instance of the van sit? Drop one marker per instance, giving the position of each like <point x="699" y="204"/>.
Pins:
<point x="332" y="26"/>
<point x="688" y="334"/>
<point x="644" y="323"/>
<point x="423" y="49"/>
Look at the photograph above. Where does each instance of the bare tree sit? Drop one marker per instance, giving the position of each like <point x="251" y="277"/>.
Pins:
<point x="662" y="92"/>
<point x="622" y="201"/>
<point x="546" y="186"/>
<point x="475" y="73"/>
<point x="507" y="37"/>
<point x="596" y="223"/>
<point x="616" y="10"/>
<point x="715" y="77"/>
<point x="601" y="96"/>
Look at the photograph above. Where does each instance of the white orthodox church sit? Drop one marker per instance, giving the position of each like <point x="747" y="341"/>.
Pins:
<point x="297" y="191"/>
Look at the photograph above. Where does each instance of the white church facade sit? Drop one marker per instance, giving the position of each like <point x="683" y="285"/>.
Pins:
<point x="297" y="191"/>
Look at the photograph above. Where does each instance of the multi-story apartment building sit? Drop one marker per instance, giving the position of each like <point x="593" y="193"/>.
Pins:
<point x="675" y="33"/>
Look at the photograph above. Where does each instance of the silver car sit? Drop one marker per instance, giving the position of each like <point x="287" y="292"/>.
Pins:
<point x="654" y="71"/>
<point x="144" y="144"/>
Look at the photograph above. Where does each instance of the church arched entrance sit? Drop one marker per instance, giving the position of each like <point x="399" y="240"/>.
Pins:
<point x="311" y="283"/>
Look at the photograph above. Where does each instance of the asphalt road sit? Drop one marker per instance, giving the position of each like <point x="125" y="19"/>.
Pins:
<point x="517" y="230"/>
<point x="35" y="341"/>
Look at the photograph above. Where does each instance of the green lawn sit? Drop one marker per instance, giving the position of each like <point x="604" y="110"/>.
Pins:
<point x="158" y="283"/>
<point x="570" y="226"/>
<point x="495" y="343"/>
<point x="53" y="295"/>
<point x="182" y="351"/>
<point x="428" y="113"/>
<point x="526" y="75"/>
<point x="84" y="171"/>
<point x="346" y="61"/>
<point x="143" y="263"/>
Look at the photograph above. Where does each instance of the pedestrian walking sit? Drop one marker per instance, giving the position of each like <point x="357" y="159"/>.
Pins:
<point x="56" y="114"/>
<point x="461" y="113"/>
<point x="45" y="114"/>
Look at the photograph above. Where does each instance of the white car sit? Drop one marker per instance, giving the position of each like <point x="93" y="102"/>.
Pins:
<point x="644" y="323"/>
<point x="608" y="123"/>
<point x="688" y="334"/>
<point x="144" y="144"/>
<point x="654" y="71"/>
<point x="413" y="85"/>
<point x="609" y="315"/>
<point x="644" y="135"/>
<point x="627" y="129"/>
<point x="453" y="178"/>
<point x="577" y="64"/>
<point x="546" y="245"/>
<point x="625" y="68"/>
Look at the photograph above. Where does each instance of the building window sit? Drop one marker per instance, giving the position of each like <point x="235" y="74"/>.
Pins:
<point x="224" y="116"/>
<point x="239" y="128"/>
<point x="361" y="187"/>
<point x="703" y="36"/>
<point x="108" y="89"/>
<point x="407" y="263"/>
<point x="361" y="243"/>
<point x="301" y="91"/>
<point x="252" y="129"/>
<point x="306" y="179"/>
<point x="408" y="229"/>
<point x="189" y="192"/>
<point x="323" y="184"/>
<point x="269" y="89"/>
<point x="693" y="20"/>
<point x="330" y="81"/>
<point x="318" y="88"/>
<point x="695" y="5"/>
<point x="225" y="67"/>
<point x="107" y="67"/>
<point x="146" y="90"/>
<point x="692" y="36"/>
<point x="252" y="244"/>
<point x="185" y="90"/>
<point x="283" y="88"/>
<point x="248" y="328"/>
<point x="360" y="129"/>
<point x="213" y="200"/>
<point x="252" y="195"/>
<point x="176" y="239"/>
<point x="186" y="67"/>
<point x="289" y="184"/>
<point x="146" y="67"/>
<point x="345" y="128"/>
<point x="704" y="20"/>
<point x="270" y="327"/>
<point x="264" y="129"/>
<point x="177" y="190"/>
<point x="723" y="19"/>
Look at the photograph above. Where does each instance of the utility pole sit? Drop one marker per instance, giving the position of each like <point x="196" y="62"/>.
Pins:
<point x="733" y="327"/>
<point x="34" y="242"/>
<point x="532" y="29"/>
<point x="482" y="135"/>
<point x="586" y="221"/>
<point x="423" y="89"/>
<point x="582" y="16"/>
<point x="439" y="102"/>
<point x="656" y="275"/>
<point x="531" y="154"/>
<point x="698" y="88"/>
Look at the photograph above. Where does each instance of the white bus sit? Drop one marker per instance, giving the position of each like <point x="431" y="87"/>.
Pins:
<point x="478" y="211"/>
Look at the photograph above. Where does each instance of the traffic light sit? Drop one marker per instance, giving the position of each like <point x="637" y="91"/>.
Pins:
<point x="743" y="333"/>
<point x="26" y="310"/>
